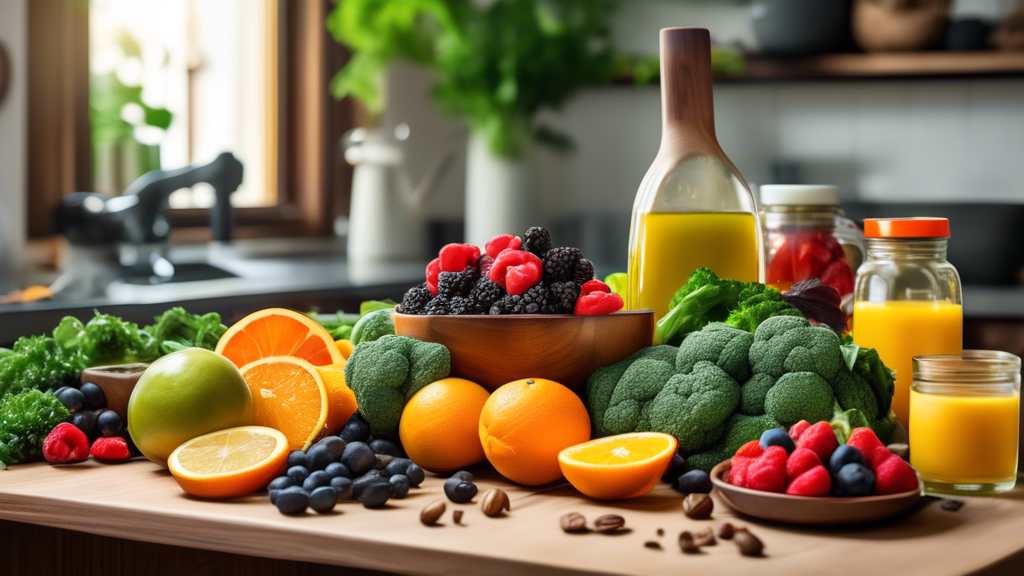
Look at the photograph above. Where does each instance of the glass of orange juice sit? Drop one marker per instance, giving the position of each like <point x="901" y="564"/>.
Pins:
<point x="965" y="416"/>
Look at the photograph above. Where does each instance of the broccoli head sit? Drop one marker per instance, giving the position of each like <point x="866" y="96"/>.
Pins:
<point x="789" y="344"/>
<point x="740" y="429"/>
<point x="758" y="303"/>
<point x="617" y="394"/>
<point x="25" y="420"/>
<point x="870" y="368"/>
<point x="704" y="298"/>
<point x="753" y="393"/>
<point x="800" y="396"/>
<point x="694" y="407"/>
<point x="385" y="373"/>
<point x="726" y="347"/>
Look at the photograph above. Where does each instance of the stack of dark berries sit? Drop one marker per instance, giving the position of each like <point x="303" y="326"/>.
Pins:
<point x="513" y="275"/>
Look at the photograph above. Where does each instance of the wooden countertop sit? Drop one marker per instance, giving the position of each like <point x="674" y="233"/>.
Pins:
<point x="140" y="501"/>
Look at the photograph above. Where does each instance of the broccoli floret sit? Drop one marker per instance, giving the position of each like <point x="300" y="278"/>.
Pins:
<point x="704" y="298"/>
<point x="37" y="363"/>
<point x="726" y="347"/>
<point x="800" y="396"/>
<point x="694" y="407"/>
<point x="176" y="329"/>
<point x="789" y="344"/>
<point x="753" y="393"/>
<point x="758" y="303"/>
<point x="617" y="394"/>
<point x="740" y="430"/>
<point x="25" y="420"/>
<point x="373" y="325"/>
<point x="385" y="373"/>
<point x="853" y="393"/>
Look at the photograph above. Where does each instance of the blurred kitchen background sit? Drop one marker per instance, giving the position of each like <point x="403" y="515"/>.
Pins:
<point x="451" y="119"/>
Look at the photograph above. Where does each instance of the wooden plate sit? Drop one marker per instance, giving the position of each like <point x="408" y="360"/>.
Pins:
<point x="809" y="510"/>
<point x="495" y="350"/>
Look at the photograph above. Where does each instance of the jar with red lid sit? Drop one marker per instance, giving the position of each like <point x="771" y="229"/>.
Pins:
<point x="808" y="236"/>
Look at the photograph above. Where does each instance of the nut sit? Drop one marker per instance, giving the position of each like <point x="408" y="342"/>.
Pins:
<point x="952" y="505"/>
<point x="686" y="543"/>
<point x="652" y="544"/>
<point x="726" y="531"/>
<point x="609" y="523"/>
<point x="494" y="502"/>
<point x="432" y="513"/>
<point x="573" y="522"/>
<point x="698" y="506"/>
<point x="457" y="516"/>
<point x="748" y="543"/>
<point x="705" y="537"/>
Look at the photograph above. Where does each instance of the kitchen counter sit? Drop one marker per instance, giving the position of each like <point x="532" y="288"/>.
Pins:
<point x="139" y="501"/>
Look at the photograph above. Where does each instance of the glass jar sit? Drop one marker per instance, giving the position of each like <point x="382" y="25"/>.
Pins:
<point x="907" y="299"/>
<point x="808" y="236"/>
<point x="965" y="415"/>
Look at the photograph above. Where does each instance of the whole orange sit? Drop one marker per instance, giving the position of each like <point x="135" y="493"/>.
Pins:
<point x="438" y="428"/>
<point x="526" y="423"/>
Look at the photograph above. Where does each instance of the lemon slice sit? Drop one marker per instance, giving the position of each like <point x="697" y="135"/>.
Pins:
<point x="623" y="466"/>
<point x="229" y="463"/>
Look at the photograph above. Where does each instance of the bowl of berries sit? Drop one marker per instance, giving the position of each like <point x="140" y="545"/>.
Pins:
<point x="521" y="308"/>
<point x="807" y="477"/>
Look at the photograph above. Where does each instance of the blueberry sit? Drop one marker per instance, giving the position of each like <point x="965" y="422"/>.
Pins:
<point x="72" y="399"/>
<point x="363" y="482"/>
<point x="109" y="423"/>
<point x="318" y="458"/>
<point x="337" y="470"/>
<point x="459" y="490"/>
<point x="355" y="430"/>
<point x="377" y="494"/>
<point x="297" y="458"/>
<point x="85" y="421"/>
<point x="358" y="458"/>
<point x="855" y="480"/>
<point x="401" y="484"/>
<point x="316" y="480"/>
<point x="292" y="500"/>
<point x="694" y="482"/>
<point x="58" y="391"/>
<point x="464" y="475"/>
<point x="334" y="445"/>
<point x="273" y="496"/>
<point x="777" y="437"/>
<point x="397" y="466"/>
<point x="280" y="483"/>
<point x="843" y="455"/>
<point x="415" y="474"/>
<point x="343" y="486"/>
<point x="298" y="473"/>
<point x="323" y="499"/>
<point x="386" y="447"/>
<point x="94" y="396"/>
<point x="675" y="469"/>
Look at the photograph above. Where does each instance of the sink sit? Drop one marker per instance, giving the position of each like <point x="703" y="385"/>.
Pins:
<point x="183" y="272"/>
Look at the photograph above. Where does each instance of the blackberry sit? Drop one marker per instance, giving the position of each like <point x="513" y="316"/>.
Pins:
<point x="560" y="264"/>
<point x="452" y="284"/>
<point x="485" y="293"/>
<point x="537" y="240"/>
<point x="460" y="306"/>
<point x="416" y="300"/>
<point x="437" y="307"/>
<point x="562" y="298"/>
<point x="533" y="301"/>
<point x="584" y="271"/>
<point x="503" y="306"/>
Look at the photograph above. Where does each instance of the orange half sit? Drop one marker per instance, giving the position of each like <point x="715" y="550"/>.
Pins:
<point x="616" y="467"/>
<point x="278" y="332"/>
<point x="289" y="395"/>
<point x="229" y="463"/>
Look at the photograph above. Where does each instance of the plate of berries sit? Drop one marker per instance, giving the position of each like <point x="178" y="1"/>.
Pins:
<point x="521" y="307"/>
<point x="807" y="477"/>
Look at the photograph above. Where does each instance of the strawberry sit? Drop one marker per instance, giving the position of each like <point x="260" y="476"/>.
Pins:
<point x="751" y="449"/>
<point x="66" y="443"/>
<point x="797" y="429"/>
<point x="811" y="259"/>
<point x="819" y="439"/>
<point x="864" y="439"/>
<point x="456" y="257"/>
<point x="112" y="449"/>
<point x="877" y="455"/>
<point x="800" y="461"/>
<point x="894" y="475"/>
<point x="767" y="472"/>
<point x="780" y="270"/>
<point x="814" y="482"/>
<point x="738" y="471"/>
<point x="838" y="275"/>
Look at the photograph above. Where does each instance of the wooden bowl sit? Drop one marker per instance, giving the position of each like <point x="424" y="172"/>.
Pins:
<point x="117" y="383"/>
<point x="825" y="511"/>
<point x="496" y="350"/>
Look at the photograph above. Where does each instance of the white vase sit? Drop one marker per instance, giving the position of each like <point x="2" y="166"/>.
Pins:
<point x="497" y="193"/>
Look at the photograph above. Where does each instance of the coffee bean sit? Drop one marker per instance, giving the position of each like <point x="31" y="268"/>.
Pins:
<point x="661" y="531"/>
<point x="686" y="543"/>
<point x="432" y="513"/>
<point x="698" y="506"/>
<point x="573" y="522"/>
<point x="495" y="502"/>
<point x="609" y="523"/>
<point x="457" y="516"/>
<point x="726" y="531"/>
<point x="652" y="544"/>
<point x="748" y="543"/>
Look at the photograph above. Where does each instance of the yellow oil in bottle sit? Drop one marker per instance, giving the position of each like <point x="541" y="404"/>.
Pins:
<point x="669" y="247"/>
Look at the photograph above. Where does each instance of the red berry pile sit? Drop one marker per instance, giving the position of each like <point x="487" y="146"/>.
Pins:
<point x="811" y="255"/>
<point x="809" y="461"/>
<point x="512" y="275"/>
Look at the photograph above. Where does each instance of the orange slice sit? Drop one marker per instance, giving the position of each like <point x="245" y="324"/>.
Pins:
<point x="341" y="401"/>
<point x="289" y="395"/>
<point x="278" y="332"/>
<point x="229" y="463"/>
<point x="623" y="466"/>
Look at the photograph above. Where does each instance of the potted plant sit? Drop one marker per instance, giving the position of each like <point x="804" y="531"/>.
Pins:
<point x="496" y="64"/>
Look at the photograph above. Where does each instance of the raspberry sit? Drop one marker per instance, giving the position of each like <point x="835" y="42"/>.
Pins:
<point x="894" y="475"/>
<point x="767" y="472"/>
<point x="537" y="240"/>
<point x="562" y="298"/>
<point x="560" y="264"/>
<point x="814" y="482"/>
<point x="416" y="300"/>
<point x="499" y="244"/>
<point x="739" y="466"/>
<point x="800" y="461"/>
<point x="820" y="439"/>
<point x="797" y="429"/>
<point x="598" y="304"/>
<point x="485" y="293"/>
<point x="876" y="457"/>
<point x="516" y="271"/>
<point x="751" y="449"/>
<point x="457" y="257"/>
<point x="66" y="443"/>
<point x="437" y="307"/>
<point x="112" y="449"/>
<point x="452" y="284"/>
<point x="584" y="271"/>
<point x="594" y="286"/>
<point x="433" y="269"/>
